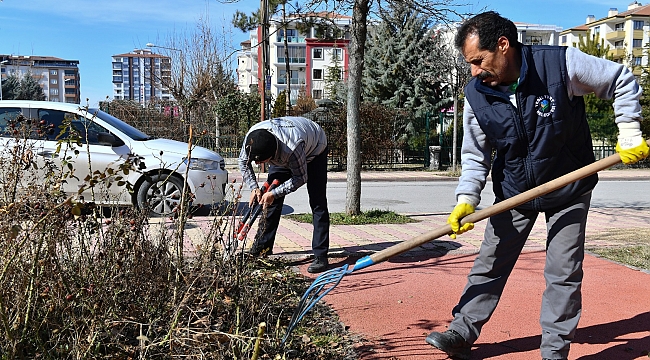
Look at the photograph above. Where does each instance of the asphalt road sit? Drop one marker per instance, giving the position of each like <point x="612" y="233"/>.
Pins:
<point x="438" y="196"/>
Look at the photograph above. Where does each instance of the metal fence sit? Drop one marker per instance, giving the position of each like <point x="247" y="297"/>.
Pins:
<point x="403" y="144"/>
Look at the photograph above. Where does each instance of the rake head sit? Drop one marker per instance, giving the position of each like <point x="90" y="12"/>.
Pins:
<point x="322" y="285"/>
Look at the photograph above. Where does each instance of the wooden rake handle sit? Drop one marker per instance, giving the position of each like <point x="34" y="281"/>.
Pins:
<point x="500" y="207"/>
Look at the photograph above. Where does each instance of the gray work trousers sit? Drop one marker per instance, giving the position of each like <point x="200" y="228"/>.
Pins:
<point x="505" y="236"/>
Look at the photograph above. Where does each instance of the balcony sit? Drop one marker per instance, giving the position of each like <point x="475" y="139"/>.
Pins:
<point x="292" y="60"/>
<point x="617" y="53"/>
<point x="291" y="39"/>
<point x="294" y="81"/>
<point x="615" y="35"/>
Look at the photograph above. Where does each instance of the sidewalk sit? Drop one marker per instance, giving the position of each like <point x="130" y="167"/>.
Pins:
<point x="425" y="175"/>
<point x="393" y="305"/>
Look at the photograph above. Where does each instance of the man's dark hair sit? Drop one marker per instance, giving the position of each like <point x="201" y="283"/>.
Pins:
<point x="261" y="145"/>
<point x="489" y="26"/>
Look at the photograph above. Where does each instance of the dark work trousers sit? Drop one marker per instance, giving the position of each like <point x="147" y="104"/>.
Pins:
<point x="505" y="236"/>
<point x="317" y="190"/>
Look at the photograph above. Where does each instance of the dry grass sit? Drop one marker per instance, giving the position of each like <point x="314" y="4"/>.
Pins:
<point x="75" y="283"/>
<point x="630" y="247"/>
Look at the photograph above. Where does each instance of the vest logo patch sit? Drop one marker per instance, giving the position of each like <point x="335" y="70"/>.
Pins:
<point x="545" y="105"/>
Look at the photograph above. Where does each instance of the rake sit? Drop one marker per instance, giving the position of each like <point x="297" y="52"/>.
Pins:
<point x="327" y="281"/>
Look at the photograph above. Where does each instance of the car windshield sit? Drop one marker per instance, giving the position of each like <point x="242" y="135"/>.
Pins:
<point x="127" y="129"/>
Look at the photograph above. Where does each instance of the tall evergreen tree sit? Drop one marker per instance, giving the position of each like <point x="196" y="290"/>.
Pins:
<point x="25" y="88"/>
<point x="334" y="86"/>
<point x="401" y="63"/>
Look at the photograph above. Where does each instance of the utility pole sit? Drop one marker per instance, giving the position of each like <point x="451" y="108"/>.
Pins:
<point x="266" y="81"/>
<point x="287" y="93"/>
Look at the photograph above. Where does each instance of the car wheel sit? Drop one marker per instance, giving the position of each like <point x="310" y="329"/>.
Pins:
<point x="160" y="194"/>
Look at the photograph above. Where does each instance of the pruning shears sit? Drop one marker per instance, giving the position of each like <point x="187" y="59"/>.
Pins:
<point x="253" y="212"/>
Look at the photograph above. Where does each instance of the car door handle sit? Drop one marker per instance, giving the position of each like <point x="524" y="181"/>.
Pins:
<point x="48" y="154"/>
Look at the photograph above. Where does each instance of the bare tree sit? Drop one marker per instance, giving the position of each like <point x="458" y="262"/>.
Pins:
<point x="200" y="74"/>
<point x="458" y="74"/>
<point x="439" y="11"/>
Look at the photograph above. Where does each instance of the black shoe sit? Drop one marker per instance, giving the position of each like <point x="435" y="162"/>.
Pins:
<point x="319" y="264"/>
<point x="451" y="343"/>
<point x="260" y="251"/>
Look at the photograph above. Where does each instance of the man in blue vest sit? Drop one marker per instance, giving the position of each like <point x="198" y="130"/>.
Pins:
<point x="525" y="106"/>
<point x="296" y="149"/>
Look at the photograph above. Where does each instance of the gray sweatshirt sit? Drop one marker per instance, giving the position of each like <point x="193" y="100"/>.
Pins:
<point x="300" y="140"/>
<point x="585" y="74"/>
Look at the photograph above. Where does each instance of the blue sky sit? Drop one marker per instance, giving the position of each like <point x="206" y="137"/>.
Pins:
<point x="92" y="31"/>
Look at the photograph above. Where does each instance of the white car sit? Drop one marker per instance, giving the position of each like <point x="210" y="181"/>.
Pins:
<point x="107" y="142"/>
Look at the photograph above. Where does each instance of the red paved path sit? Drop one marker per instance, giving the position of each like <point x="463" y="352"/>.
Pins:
<point x="396" y="303"/>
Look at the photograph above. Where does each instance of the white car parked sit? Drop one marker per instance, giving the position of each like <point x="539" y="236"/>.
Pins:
<point x="109" y="142"/>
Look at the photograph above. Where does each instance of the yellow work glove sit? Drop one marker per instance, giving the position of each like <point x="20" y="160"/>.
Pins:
<point x="460" y="211"/>
<point x="634" y="154"/>
<point x="631" y="146"/>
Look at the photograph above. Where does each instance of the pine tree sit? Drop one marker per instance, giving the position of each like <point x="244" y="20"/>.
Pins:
<point x="334" y="86"/>
<point x="280" y="105"/>
<point x="25" y="88"/>
<point x="401" y="63"/>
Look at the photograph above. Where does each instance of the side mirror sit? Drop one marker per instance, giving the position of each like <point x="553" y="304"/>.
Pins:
<point x="109" y="139"/>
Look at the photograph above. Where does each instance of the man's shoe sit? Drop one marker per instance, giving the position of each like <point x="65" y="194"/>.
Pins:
<point x="319" y="264"/>
<point x="451" y="343"/>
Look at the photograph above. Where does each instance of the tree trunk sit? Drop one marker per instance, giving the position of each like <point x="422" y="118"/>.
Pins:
<point x="287" y="93"/>
<point x="454" y="141"/>
<point x="357" y="49"/>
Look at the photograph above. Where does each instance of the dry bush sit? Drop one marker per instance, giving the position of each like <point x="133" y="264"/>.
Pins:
<point x="80" y="281"/>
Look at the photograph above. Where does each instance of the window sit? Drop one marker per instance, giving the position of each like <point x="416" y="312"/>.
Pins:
<point x="53" y="72"/>
<point x="638" y="25"/>
<point x="297" y="54"/>
<point x="317" y="94"/>
<point x="563" y="39"/>
<point x="637" y="43"/>
<point x="636" y="61"/>
<point x="533" y="40"/>
<point x="282" y="77"/>
<point x="87" y="130"/>
<point x="318" y="53"/>
<point x="7" y="115"/>
<point x="292" y="35"/>
<point x="54" y="81"/>
<point x="317" y="74"/>
<point x="597" y="30"/>
<point x="54" y="91"/>
<point x="619" y="44"/>
<point x="337" y="54"/>
<point x="619" y="27"/>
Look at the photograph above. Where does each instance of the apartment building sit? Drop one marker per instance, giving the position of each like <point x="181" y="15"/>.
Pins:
<point x="140" y="76"/>
<point x="59" y="78"/>
<point x="537" y="34"/>
<point x="317" y="47"/>
<point x="625" y="33"/>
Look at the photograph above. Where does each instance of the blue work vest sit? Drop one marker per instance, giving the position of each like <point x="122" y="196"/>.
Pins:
<point x="544" y="137"/>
